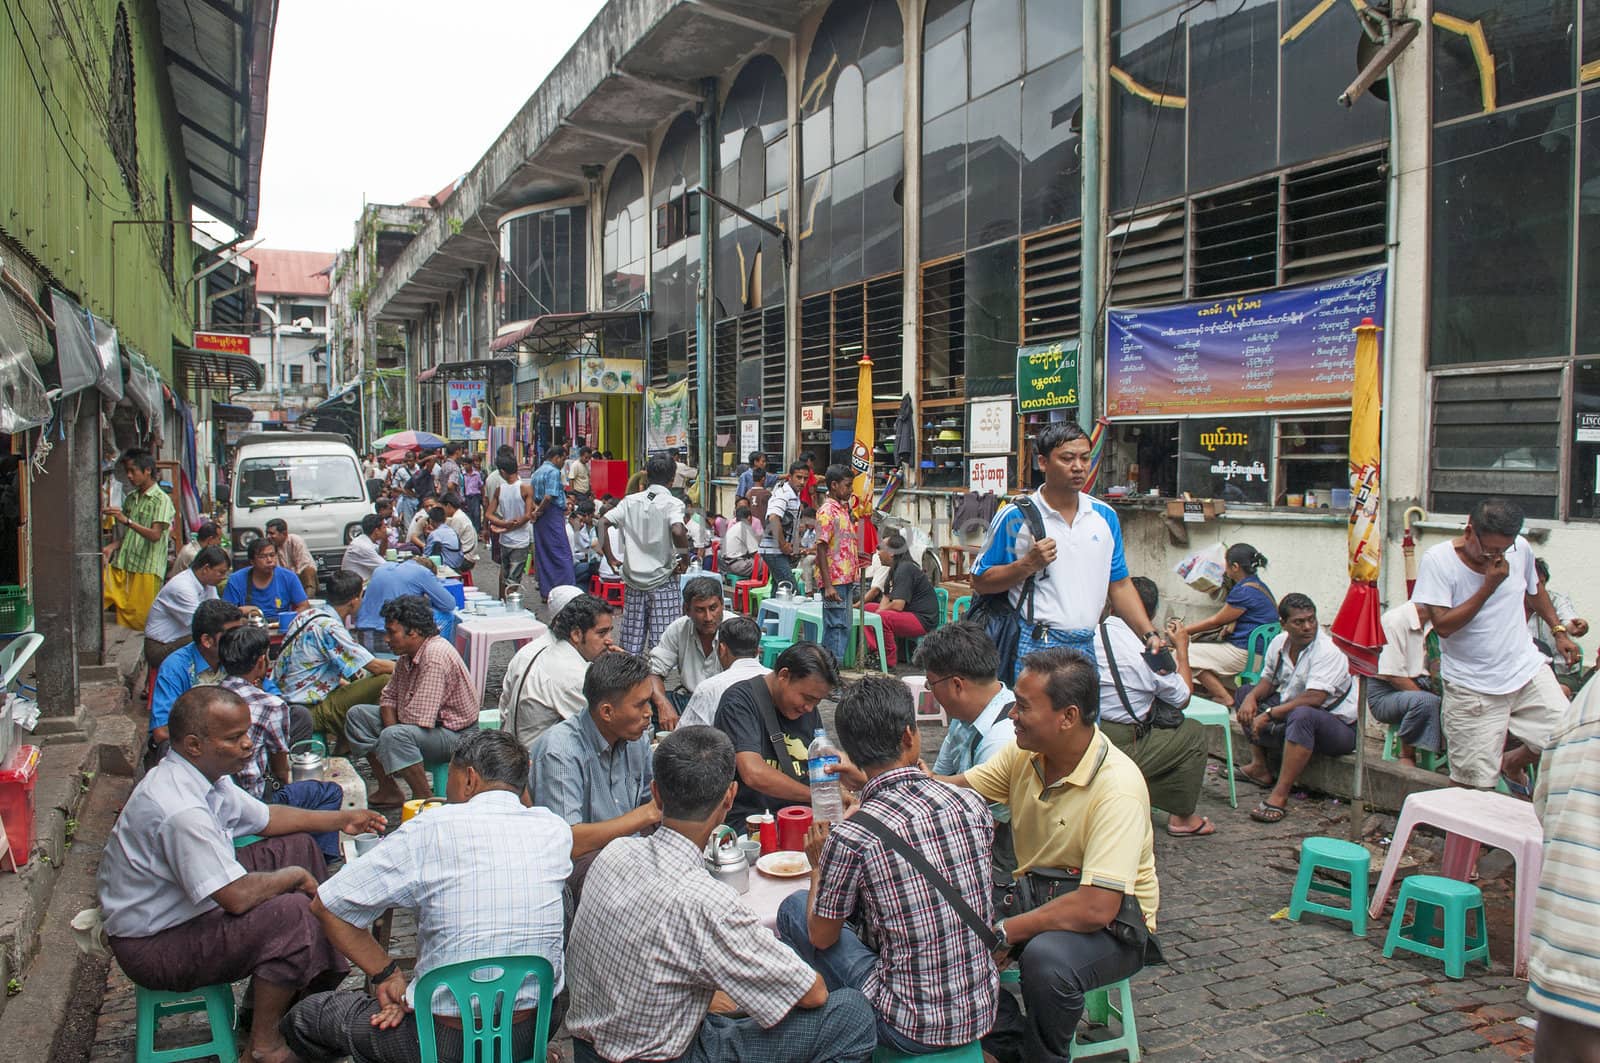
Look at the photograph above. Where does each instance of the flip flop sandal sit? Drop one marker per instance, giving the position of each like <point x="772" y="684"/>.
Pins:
<point x="1241" y="775"/>
<point x="1268" y="813"/>
<point x="1205" y="830"/>
<point x="1518" y="789"/>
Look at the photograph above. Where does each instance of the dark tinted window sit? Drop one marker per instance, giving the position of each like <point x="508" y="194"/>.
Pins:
<point x="1054" y="28"/>
<point x="1317" y="62"/>
<point x="1051" y="167"/>
<point x="1147" y="120"/>
<point x="991" y="319"/>
<point x="1529" y="45"/>
<point x="676" y="267"/>
<point x="1501" y="241"/>
<point x="994" y="152"/>
<point x="944" y="184"/>
<point x="622" y="244"/>
<point x="1233" y="95"/>
<point x="1589" y="227"/>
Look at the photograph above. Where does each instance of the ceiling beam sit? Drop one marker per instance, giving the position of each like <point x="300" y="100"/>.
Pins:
<point x="210" y="79"/>
<point x="601" y="134"/>
<point x="672" y="88"/>
<point x="733" y="18"/>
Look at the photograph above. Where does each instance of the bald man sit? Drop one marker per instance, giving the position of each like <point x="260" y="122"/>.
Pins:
<point x="184" y="908"/>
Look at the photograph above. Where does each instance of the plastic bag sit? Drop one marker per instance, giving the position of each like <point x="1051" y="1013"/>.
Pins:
<point x="1203" y="570"/>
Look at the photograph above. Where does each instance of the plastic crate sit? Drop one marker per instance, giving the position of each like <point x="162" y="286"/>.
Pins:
<point x="16" y="611"/>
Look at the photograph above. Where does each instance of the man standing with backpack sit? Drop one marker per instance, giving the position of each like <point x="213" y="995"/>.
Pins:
<point x="1056" y="555"/>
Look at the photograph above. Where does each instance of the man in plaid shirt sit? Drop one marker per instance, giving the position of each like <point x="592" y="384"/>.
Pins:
<point x="423" y="710"/>
<point x="929" y="978"/>
<point x="274" y="723"/>
<point x="661" y="953"/>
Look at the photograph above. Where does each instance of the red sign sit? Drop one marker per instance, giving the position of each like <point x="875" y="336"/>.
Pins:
<point x="225" y="342"/>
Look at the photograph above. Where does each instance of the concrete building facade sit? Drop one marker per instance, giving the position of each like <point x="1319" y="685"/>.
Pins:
<point x="958" y="179"/>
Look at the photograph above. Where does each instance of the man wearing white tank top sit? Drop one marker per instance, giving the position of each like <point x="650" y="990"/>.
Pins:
<point x="510" y="510"/>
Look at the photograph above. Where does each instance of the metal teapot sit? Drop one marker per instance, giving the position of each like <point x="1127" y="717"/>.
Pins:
<point x="784" y="592"/>
<point x="726" y="861"/>
<point x="514" y="602"/>
<point x="308" y="762"/>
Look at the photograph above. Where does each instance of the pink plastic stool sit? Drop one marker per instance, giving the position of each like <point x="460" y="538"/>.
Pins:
<point x="927" y="710"/>
<point x="1470" y="819"/>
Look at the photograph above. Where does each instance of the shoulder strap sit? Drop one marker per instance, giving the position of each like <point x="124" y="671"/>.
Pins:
<point x="774" y="729"/>
<point x="1116" y="677"/>
<point x="1035" y="522"/>
<point x="945" y="887"/>
<point x="304" y="623"/>
<point x="522" y="684"/>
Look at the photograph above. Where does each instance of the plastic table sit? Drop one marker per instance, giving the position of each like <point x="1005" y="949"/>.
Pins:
<point x="768" y="892"/>
<point x="1470" y="819"/>
<point x="808" y="620"/>
<point x="475" y="634"/>
<point x="781" y="613"/>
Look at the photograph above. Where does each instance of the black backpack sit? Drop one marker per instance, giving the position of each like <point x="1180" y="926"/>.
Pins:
<point x="995" y="613"/>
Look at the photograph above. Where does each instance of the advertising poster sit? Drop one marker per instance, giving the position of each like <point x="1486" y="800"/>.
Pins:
<point x="666" y="417"/>
<point x="1288" y="350"/>
<point x="1047" y="377"/>
<point x="989" y="475"/>
<point x="465" y="414"/>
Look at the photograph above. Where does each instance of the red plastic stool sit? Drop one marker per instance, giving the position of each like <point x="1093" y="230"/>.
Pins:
<point x="612" y="591"/>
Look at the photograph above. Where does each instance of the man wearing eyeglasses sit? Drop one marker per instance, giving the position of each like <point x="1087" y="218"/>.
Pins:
<point x="961" y="662"/>
<point x="1480" y="588"/>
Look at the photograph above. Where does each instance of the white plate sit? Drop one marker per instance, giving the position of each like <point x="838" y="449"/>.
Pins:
<point x="784" y="865"/>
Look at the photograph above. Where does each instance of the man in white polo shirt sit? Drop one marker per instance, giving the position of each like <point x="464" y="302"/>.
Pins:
<point x="166" y="629"/>
<point x="1076" y="566"/>
<point x="1481" y="586"/>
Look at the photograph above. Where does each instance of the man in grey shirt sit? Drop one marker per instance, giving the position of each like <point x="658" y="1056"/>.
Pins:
<point x="593" y="770"/>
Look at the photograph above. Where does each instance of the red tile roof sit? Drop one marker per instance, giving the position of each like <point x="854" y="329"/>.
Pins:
<point x="291" y="272"/>
<point x="435" y="200"/>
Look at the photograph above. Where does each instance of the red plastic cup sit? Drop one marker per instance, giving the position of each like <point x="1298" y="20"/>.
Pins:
<point x="793" y="823"/>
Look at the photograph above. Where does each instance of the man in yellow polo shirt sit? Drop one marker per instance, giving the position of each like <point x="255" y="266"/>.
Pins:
<point x="1077" y="804"/>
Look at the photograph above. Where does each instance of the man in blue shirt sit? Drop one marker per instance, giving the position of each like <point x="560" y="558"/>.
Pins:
<point x="1075" y="566"/>
<point x="265" y="586"/>
<point x="200" y="664"/>
<point x="397" y="578"/>
<point x="552" y="553"/>
<point x="442" y="541"/>
<point x="755" y="475"/>
<point x="594" y="770"/>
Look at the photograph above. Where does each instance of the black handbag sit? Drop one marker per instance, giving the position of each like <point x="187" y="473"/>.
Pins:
<point x="1044" y="884"/>
<point x="1162" y="714"/>
<point x="1001" y="620"/>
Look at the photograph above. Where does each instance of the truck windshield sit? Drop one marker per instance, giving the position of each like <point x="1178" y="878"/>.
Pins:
<point x="298" y="479"/>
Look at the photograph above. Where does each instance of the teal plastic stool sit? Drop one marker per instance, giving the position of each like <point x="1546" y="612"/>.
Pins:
<point x="485" y="991"/>
<point x="1099" y="1009"/>
<point x="1433" y="895"/>
<point x="1256" y="652"/>
<point x="962" y="606"/>
<point x="488" y="719"/>
<point x="153" y="1005"/>
<point x="245" y="839"/>
<point x="943" y="615"/>
<point x="1210" y="714"/>
<point x="972" y="1053"/>
<point x="438" y="776"/>
<point x="771" y="647"/>
<point x="1427" y="759"/>
<point x="1334" y="855"/>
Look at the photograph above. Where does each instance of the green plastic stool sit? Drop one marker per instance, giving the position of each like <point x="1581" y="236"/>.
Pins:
<point x="1210" y="714"/>
<point x="771" y="647"/>
<point x="962" y="606"/>
<point x="1433" y="895"/>
<point x="486" y="1000"/>
<point x="1097" y="1007"/>
<point x="153" y="1005"/>
<point x="941" y="617"/>
<point x="438" y="776"/>
<point x="1334" y="855"/>
<point x="488" y="719"/>
<point x="245" y="839"/>
<point x="972" y="1053"/>
<point x="1256" y="652"/>
<point x="757" y="595"/>
<point x="1427" y="759"/>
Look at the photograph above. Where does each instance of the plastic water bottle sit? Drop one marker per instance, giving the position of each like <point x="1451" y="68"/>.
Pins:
<point x="827" y="801"/>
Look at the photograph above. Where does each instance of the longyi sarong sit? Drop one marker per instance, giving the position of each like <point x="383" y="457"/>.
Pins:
<point x="552" y="553"/>
<point x="278" y="940"/>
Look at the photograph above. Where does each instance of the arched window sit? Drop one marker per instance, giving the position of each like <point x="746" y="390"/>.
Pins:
<point x="754" y="161"/>
<point x="676" y="264"/>
<point x="622" y="244"/>
<point x="852" y="112"/>
<point x="121" y="121"/>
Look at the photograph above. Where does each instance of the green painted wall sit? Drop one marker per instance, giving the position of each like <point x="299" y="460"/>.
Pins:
<point x="60" y="185"/>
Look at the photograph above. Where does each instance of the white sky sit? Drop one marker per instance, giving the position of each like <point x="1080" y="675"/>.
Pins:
<point x="386" y="100"/>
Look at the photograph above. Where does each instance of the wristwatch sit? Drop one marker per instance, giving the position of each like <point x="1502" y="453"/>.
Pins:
<point x="1559" y="629"/>
<point x="1000" y="932"/>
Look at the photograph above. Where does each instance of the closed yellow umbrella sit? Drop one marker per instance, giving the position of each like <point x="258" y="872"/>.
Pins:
<point x="1358" y="629"/>
<point x="861" y="451"/>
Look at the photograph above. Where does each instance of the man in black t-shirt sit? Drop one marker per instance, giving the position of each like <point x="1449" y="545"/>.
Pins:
<point x="784" y="700"/>
<point x="910" y="608"/>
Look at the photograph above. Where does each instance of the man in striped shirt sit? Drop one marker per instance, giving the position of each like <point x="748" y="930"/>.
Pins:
<point x="1563" y="971"/>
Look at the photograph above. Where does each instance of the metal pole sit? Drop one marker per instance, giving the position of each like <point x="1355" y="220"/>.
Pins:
<point x="1358" y="801"/>
<point x="1091" y="233"/>
<point x="705" y="345"/>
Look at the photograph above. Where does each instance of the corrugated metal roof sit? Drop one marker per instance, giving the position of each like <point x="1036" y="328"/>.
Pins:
<point x="218" y="55"/>
<point x="291" y="272"/>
